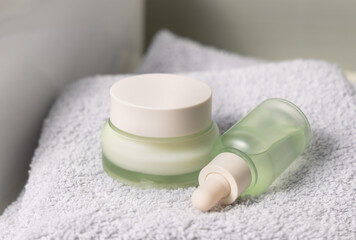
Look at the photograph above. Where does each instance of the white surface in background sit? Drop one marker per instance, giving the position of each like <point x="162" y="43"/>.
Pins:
<point x="351" y="76"/>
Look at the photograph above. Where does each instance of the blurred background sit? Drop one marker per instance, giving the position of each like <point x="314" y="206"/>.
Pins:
<point x="272" y="30"/>
<point x="45" y="45"/>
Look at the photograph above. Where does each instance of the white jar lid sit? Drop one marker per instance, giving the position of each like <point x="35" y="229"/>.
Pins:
<point x="160" y="105"/>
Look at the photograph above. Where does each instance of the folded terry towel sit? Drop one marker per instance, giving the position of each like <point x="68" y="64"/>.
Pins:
<point x="171" y="54"/>
<point x="68" y="195"/>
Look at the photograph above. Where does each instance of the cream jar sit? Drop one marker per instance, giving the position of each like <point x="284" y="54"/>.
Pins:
<point x="160" y="131"/>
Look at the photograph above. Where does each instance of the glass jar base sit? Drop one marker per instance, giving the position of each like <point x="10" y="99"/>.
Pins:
<point x="143" y="180"/>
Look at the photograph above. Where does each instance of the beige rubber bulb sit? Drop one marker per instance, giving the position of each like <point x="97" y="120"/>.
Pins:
<point x="207" y="195"/>
<point x="223" y="180"/>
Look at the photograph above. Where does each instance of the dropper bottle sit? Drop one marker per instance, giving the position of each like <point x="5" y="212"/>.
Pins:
<point x="253" y="153"/>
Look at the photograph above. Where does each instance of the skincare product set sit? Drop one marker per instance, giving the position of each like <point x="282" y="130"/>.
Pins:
<point x="161" y="134"/>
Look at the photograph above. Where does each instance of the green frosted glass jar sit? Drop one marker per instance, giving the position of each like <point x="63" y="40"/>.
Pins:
<point x="253" y="153"/>
<point x="160" y="131"/>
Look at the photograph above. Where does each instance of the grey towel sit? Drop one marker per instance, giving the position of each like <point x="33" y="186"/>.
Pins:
<point x="171" y="54"/>
<point x="68" y="195"/>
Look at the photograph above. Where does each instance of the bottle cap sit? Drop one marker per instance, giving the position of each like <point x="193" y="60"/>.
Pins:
<point x="223" y="180"/>
<point x="160" y="105"/>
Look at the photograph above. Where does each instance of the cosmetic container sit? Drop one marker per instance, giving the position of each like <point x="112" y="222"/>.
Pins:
<point x="253" y="153"/>
<point x="160" y="131"/>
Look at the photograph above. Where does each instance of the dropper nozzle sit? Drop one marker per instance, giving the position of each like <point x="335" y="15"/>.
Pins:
<point x="223" y="180"/>
<point x="207" y="195"/>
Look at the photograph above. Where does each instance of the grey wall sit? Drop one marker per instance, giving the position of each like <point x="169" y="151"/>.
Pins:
<point x="44" y="45"/>
<point x="274" y="29"/>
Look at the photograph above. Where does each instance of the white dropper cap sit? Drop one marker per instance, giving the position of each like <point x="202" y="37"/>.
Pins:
<point x="223" y="180"/>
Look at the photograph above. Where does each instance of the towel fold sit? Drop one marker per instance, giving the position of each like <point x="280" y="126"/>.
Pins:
<point x="68" y="195"/>
<point x="172" y="54"/>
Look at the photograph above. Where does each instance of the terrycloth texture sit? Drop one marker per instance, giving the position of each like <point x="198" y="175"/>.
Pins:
<point x="171" y="54"/>
<point x="69" y="196"/>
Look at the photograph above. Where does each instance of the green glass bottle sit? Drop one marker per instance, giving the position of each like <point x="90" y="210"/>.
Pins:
<point x="253" y="153"/>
